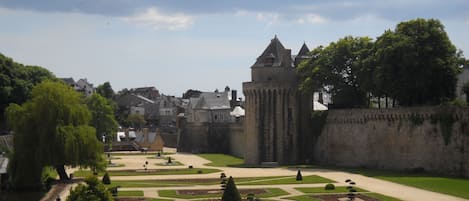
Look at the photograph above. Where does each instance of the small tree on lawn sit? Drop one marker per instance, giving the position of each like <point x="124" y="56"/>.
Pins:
<point x="169" y="160"/>
<point x="299" y="177"/>
<point x="106" y="179"/>
<point x="92" y="191"/>
<point x="231" y="193"/>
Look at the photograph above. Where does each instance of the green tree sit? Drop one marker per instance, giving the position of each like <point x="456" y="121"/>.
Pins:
<point x="417" y="63"/>
<point x="92" y="191"/>
<point x="105" y="90"/>
<point x="16" y="82"/>
<point x="102" y="113"/>
<point x="106" y="178"/>
<point x="231" y="193"/>
<point x="51" y="129"/>
<point x="341" y="70"/>
<point x="136" y="120"/>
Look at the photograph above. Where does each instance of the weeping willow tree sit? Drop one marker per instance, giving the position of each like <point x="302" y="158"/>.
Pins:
<point x="51" y="129"/>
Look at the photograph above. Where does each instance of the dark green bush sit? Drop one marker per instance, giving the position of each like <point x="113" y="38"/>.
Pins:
<point x="329" y="187"/>
<point x="106" y="179"/>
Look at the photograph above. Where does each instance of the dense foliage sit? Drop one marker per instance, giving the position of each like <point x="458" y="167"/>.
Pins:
<point x="105" y="90"/>
<point x="416" y="64"/>
<point x="17" y="80"/>
<point x="92" y="191"/>
<point x="102" y="113"/>
<point x="231" y="193"/>
<point x="340" y="70"/>
<point x="51" y="129"/>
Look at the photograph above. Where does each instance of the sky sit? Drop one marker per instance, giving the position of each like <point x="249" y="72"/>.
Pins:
<point x="194" y="44"/>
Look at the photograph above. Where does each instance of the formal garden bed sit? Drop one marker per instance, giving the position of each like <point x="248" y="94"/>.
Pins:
<point x="272" y="180"/>
<point x="142" y="172"/>
<point x="216" y="193"/>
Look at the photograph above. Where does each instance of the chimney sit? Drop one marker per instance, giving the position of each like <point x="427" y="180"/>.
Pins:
<point x="234" y="98"/>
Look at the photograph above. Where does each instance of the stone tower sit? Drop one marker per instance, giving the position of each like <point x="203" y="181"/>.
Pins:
<point x="277" y="113"/>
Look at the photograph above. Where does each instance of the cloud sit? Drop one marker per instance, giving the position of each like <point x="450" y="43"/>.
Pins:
<point x="154" y="18"/>
<point x="269" y="17"/>
<point x="311" y="19"/>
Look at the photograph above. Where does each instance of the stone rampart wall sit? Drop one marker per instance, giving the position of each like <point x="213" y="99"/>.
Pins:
<point x="227" y="138"/>
<point x="433" y="138"/>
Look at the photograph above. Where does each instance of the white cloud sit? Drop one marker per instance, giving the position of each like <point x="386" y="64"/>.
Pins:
<point x="154" y="18"/>
<point x="269" y="17"/>
<point x="311" y="19"/>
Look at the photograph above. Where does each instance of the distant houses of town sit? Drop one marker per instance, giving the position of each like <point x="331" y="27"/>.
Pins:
<point x="162" y="111"/>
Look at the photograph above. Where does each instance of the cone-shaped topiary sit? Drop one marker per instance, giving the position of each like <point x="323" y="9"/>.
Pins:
<point x="231" y="193"/>
<point x="169" y="160"/>
<point x="298" y="176"/>
<point x="106" y="179"/>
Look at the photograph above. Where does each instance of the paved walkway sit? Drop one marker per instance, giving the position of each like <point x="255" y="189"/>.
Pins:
<point x="374" y="185"/>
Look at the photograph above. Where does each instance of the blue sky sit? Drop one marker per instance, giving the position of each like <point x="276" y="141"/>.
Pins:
<point x="200" y="44"/>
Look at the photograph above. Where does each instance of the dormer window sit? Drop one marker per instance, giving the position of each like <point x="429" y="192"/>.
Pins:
<point x="269" y="60"/>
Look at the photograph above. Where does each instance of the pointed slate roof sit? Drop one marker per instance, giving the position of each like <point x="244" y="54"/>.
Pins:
<point x="275" y="50"/>
<point x="304" y="50"/>
<point x="302" y="54"/>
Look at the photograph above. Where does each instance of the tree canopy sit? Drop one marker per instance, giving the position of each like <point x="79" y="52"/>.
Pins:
<point x="92" y="191"/>
<point x="51" y="129"/>
<point x="416" y="64"/>
<point x="105" y="90"/>
<point x="102" y="113"/>
<point x="340" y="70"/>
<point x="17" y="80"/>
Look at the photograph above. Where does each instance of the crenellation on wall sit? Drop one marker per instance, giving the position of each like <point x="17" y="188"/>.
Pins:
<point x="397" y="139"/>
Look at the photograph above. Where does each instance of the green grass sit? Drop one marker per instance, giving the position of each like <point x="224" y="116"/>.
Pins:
<point x="382" y="197"/>
<point x="139" y="153"/>
<point x="84" y="173"/>
<point x="373" y="195"/>
<point x="157" y="199"/>
<point x="446" y="185"/>
<point x="129" y="193"/>
<point x="48" y="170"/>
<point x="239" y="181"/>
<point x="173" y="163"/>
<point x="271" y="192"/>
<point x="222" y="160"/>
<point x="311" y="179"/>
<point x="302" y="198"/>
<point x="338" y="189"/>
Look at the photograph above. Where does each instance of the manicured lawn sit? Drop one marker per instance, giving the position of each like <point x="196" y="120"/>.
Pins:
<point x="338" y="189"/>
<point x="139" y="153"/>
<point x="447" y="185"/>
<point x="382" y="197"/>
<point x="311" y="179"/>
<point x="129" y="193"/>
<point x="84" y="173"/>
<point x="239" y="181"/>
<point x="271" y="192"/>
<point x="222" y="160"/>
<point x="173" y="163"/>
<point x="157" y="199"/>
<point x="302" y="198"/>
<point x="374" y="195"/>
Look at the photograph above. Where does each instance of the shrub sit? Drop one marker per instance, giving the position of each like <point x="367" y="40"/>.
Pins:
<point x="299" y="177"/>
<point x="169" y="160"/>
<point x="231" y="193"/>
<point x="106" y="179"/>
<point x="199" y="171"/>
<point x="329" y="187"/>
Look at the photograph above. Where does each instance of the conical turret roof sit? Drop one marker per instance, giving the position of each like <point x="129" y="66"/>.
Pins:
<point x="275" y="50"/>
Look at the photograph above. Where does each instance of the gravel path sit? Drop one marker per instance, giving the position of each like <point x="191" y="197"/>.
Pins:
<point x="375" y="185"/>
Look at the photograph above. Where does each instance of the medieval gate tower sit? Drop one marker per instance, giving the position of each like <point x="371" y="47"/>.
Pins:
<point x="277" y="113"/>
